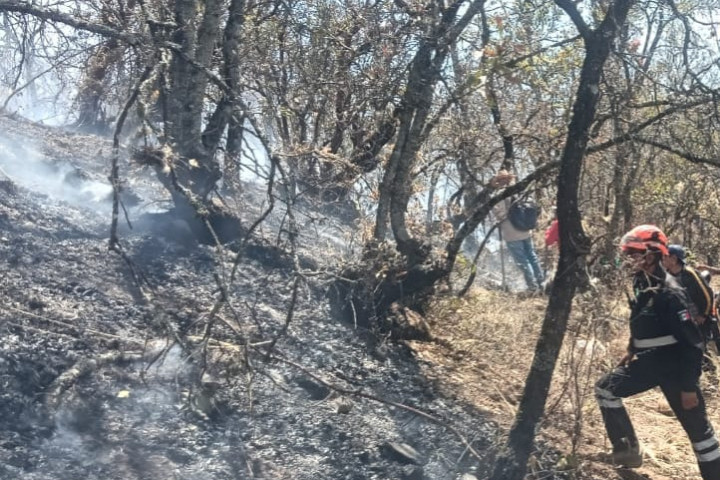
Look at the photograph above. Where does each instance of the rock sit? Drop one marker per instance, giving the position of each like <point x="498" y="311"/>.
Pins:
<point x="344" y="405"/>
<point x="400" y="452"/>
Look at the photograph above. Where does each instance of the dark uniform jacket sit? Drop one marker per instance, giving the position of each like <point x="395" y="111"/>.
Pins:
<point x="661" y="324"/>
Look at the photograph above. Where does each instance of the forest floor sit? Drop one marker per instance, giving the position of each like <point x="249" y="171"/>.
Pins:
<point x="104" y="373"/>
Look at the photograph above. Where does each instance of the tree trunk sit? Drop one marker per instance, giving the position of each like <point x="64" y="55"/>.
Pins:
<point x="511" y="463"/>
<point x="196" y="167"/>
<point x="620" y="193"/>
<point x="396" y="185"/>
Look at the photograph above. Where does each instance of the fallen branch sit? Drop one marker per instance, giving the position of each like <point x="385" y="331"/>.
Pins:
<point x="74" y="328"/>
<point x="67" y="379"/>
<point x="368" y="396"/>
<point x="40" y="330"/>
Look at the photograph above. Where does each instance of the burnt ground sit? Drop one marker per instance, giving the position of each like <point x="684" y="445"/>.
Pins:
<point x="98" y="374"/>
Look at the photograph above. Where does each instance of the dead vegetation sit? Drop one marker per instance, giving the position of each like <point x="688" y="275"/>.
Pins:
<point x="485" y="350"/>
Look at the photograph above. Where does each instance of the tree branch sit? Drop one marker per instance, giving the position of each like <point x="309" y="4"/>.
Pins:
<point x="690" y="157"/>
<point x="71" y="21"/>
<point x="574" y="14"/>
<point x="647" y="123"/>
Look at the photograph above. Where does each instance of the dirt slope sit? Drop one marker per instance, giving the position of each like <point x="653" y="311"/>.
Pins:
<point x="94" y="384"/>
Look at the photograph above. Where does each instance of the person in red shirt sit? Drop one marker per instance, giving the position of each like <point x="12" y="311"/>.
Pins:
<point x="552" y="234"/>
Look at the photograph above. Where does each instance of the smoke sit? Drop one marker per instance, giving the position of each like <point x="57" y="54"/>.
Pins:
<point x="58" y="180"/>
<point x="121" y="431"/>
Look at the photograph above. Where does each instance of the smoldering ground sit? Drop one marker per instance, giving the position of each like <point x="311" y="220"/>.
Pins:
<point x="82" y="399"/>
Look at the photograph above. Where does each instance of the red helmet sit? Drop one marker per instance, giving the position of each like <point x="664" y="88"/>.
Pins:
<point x="643" y="238"/>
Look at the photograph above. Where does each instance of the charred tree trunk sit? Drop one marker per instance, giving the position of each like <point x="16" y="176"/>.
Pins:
<point x="192" y="171"/>
<point x="233" y="153"/>
<point x="196" y="167"/>
<point x="411" y="276"/>
<point x="425" y="72"/>
<point x="511" y="463"/>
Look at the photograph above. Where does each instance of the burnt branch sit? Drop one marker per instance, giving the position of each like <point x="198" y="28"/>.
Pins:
<point x="689" y="156"/>
<point x="134" y="39"/>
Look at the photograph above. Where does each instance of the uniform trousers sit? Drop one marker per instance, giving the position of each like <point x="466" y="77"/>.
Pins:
<point x="656" y="368"/>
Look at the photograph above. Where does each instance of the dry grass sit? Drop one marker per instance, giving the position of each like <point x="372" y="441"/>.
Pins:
<point x="487" y="348"/>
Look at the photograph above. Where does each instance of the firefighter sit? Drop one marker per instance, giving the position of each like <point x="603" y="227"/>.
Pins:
<point x="697" y="287"/>
<point x="665" y="350"/>
<point x="699" y="293"/>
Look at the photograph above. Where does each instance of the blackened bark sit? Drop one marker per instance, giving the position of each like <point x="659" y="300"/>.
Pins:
<point x="196" y="168"/>
<point x="574" y="245"/>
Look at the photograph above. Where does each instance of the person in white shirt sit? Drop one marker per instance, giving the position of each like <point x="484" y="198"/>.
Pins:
<point x="519" y="243"/>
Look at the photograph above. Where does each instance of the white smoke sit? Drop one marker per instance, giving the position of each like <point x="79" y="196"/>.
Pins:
<point x="61" y="181"/>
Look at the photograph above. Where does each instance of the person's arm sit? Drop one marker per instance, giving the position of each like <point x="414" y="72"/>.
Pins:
<point x="713" y="270"/>
<point x="673" y="312"/>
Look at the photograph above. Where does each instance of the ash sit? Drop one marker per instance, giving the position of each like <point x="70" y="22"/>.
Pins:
<point x="103" y="379"/>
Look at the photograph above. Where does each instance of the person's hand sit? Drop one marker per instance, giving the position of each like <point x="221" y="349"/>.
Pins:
<point x="700" y="319"/>
<point x="625" y="361"/>
<point x="689" y="400"/>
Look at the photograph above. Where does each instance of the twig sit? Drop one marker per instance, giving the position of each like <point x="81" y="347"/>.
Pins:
<point x="114" y="242"/>
<point x="70" y="326"/>
<point x="360" y="393"/>
<point x="471" y="278"/>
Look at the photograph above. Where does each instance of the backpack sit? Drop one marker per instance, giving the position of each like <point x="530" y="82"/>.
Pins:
<point x="523" y="214"/>
<point x="705" y="277"/>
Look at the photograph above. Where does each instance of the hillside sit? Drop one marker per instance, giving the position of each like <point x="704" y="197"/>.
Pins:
<point x="105" y="378"/>
<point x="124" y="370"/>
